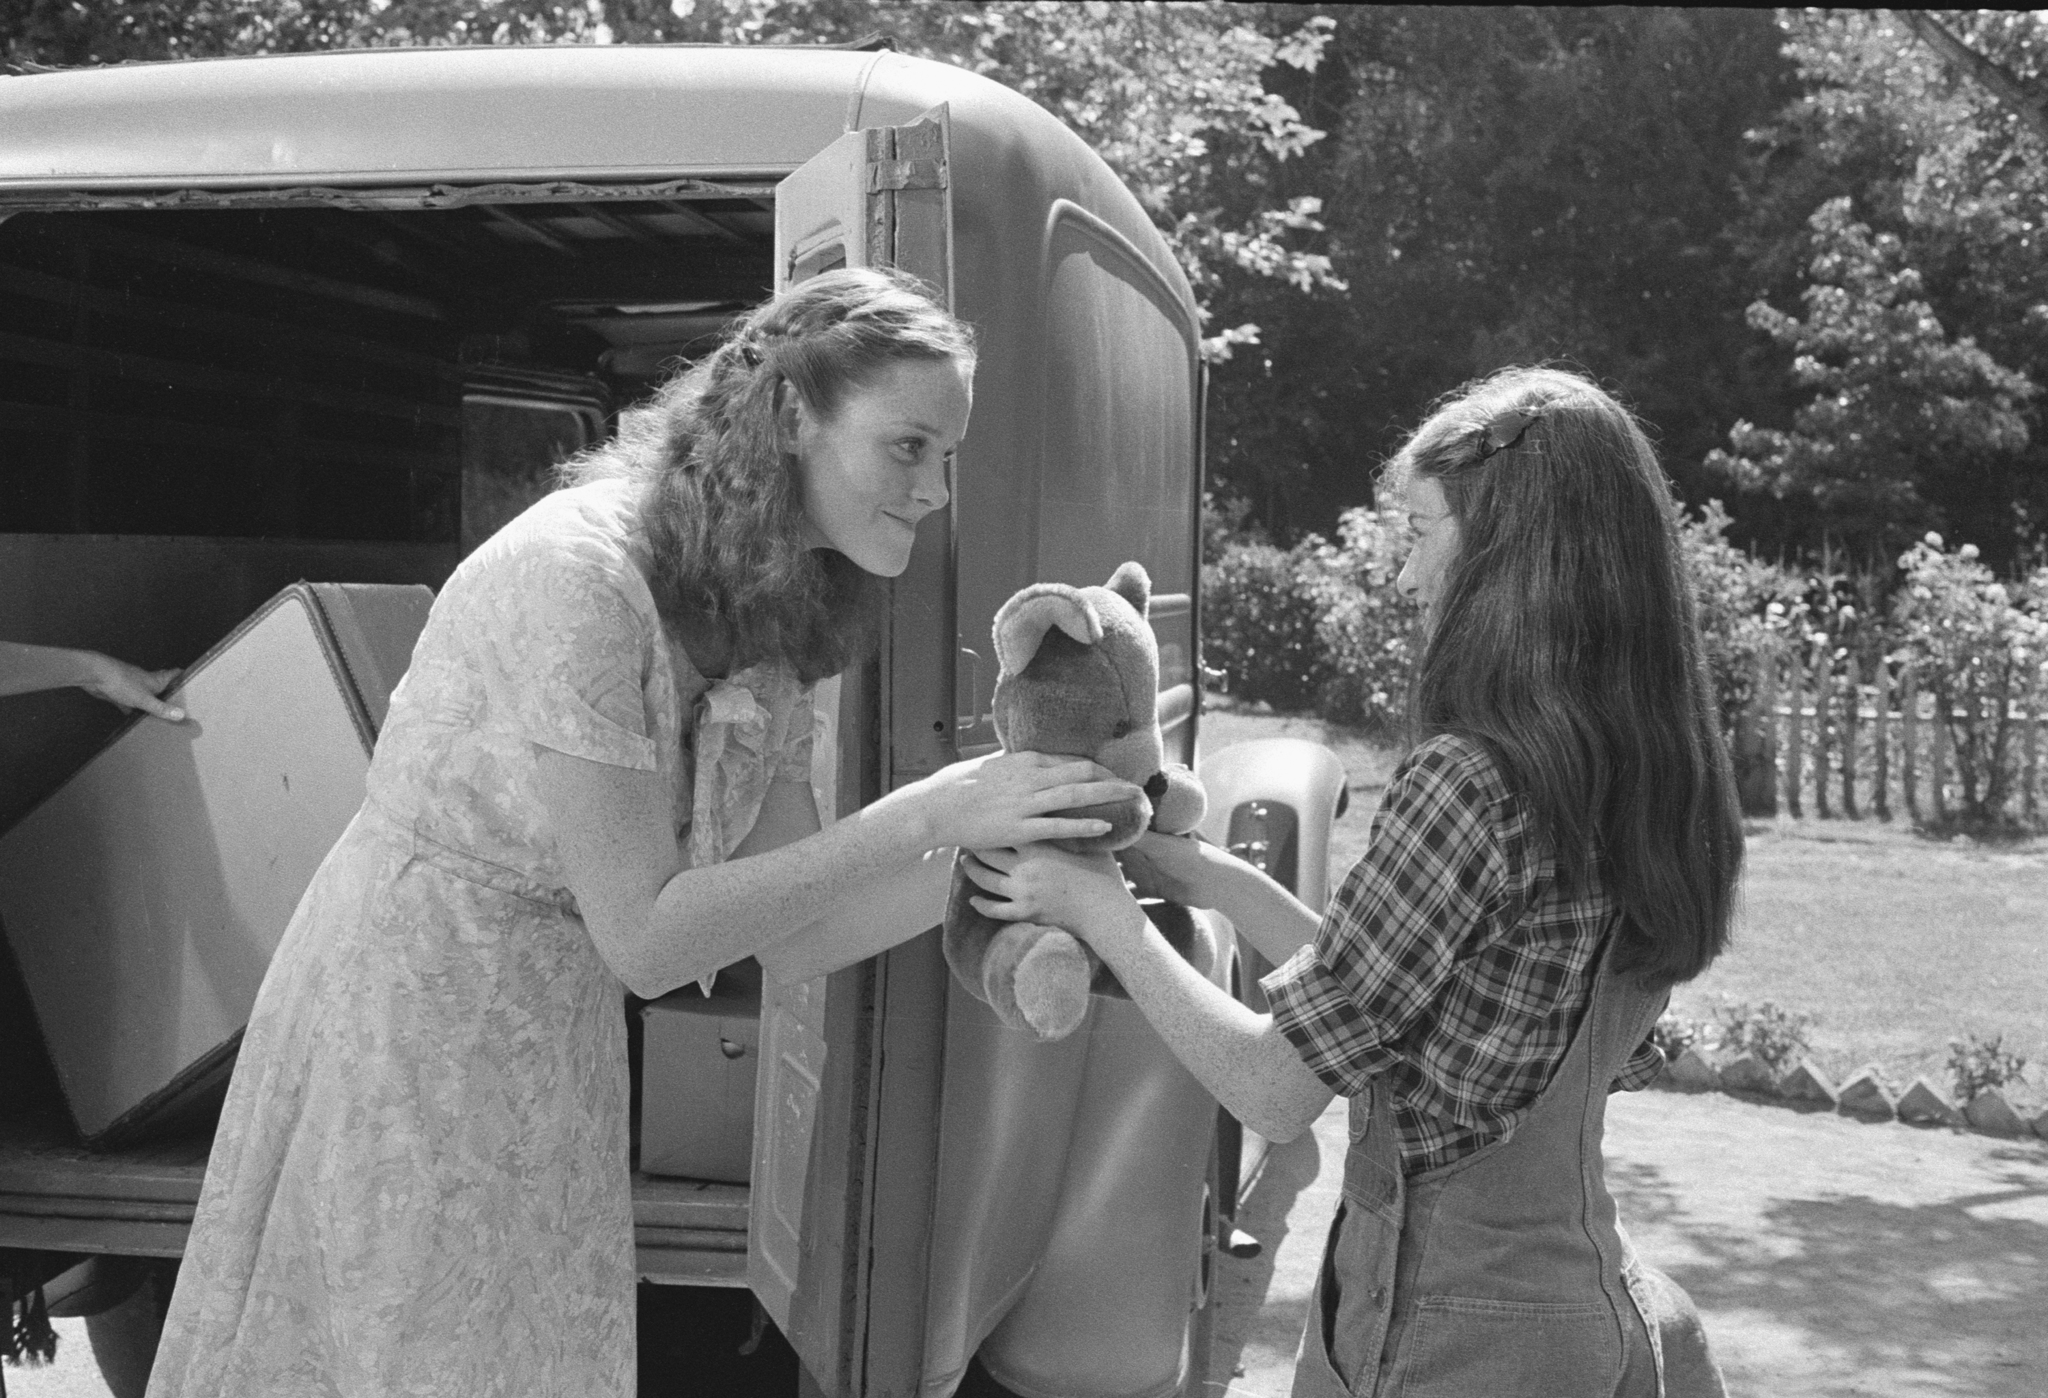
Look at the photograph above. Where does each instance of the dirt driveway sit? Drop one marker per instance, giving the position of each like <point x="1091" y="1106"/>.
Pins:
<point x="1831" y="1258"/>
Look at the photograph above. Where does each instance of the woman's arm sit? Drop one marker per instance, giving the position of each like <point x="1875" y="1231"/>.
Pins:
<point x="1239" y="1055"/>
<point x="1190" y="870"/>
<point x="25" y="669"/>
<point x="660" y="925"/>
<point x="877" y="917"/>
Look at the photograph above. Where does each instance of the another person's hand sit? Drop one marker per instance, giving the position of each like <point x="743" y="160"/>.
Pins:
<point x="1082" y="893"/>
<point x="1006" y="799"/>
<point x="127" y="686"/>
<point x="26" y="669"/>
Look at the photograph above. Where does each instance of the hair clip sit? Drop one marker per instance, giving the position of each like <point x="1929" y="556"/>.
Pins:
<point x="750" y="355"/>
<point x="1504" y="430"/>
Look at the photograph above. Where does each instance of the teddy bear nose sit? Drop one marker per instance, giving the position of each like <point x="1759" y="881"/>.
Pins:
<point x="1155" y="787"/>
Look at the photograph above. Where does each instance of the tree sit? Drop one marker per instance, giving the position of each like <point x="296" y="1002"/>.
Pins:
<point x="1895" y="404"/>
<point x="1503" y="185"/>
<point x="1936" y="162"/>
<point x="2009" y="86"/>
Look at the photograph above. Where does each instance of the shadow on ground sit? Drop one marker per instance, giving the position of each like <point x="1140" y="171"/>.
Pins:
<point x="1935" y="1283"/>
<point x="1263" y="1300"/>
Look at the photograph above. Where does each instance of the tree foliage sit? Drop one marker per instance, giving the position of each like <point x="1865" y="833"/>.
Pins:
<point x="1895" y="400"/>
<point x="1499" y="186"/>
<point x="1821" y="229"/>
<point x="1941" y="275"/>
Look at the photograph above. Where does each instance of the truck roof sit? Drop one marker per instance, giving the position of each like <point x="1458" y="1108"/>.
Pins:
<point x="393" y="127"/>
<point x="376" y="116"/>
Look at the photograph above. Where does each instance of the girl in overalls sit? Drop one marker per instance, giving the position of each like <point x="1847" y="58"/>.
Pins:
<point x="1560" y="848"/>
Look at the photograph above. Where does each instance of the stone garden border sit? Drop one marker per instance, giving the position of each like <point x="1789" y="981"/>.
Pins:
<point x="1805" y="1087"/>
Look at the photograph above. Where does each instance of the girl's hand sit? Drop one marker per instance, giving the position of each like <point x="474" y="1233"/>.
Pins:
<point x="1004" y="800"/>
<point x="1082" y="893"/>
<point x="1171" y="866"/>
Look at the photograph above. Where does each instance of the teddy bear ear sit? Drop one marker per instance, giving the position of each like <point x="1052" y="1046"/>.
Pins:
<point x="1132" y="583"/>
<point x="1022" y="622"/>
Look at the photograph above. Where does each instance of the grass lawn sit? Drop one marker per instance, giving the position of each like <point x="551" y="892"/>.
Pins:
<point x="1893" y="943"/>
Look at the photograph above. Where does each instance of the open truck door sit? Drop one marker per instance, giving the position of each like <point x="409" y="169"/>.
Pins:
<point x="847" y="1101"/>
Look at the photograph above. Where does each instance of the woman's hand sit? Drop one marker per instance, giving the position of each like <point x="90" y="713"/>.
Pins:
<point x="1082" y="893"/>
<point x="1006" y="800"/>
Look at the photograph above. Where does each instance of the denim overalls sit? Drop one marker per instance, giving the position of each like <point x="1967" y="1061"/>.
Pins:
<point x="1504" y="1274"/>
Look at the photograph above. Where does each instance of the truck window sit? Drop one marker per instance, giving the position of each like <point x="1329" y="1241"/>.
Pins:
<point x="512" y="445"/>
<point x="1119" y="415"/>
<point x="1120" y="475"/>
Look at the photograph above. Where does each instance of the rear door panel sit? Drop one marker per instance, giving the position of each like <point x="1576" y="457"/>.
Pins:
<point x="847" y="1105"/>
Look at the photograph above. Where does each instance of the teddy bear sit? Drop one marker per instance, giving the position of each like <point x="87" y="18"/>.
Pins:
<point x="1078" y="676"/>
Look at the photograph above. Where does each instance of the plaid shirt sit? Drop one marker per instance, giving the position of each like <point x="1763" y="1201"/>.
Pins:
<point x="1449" y="966"/>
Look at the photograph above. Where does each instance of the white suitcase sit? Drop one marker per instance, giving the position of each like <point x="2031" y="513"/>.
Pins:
<point x="143" y="899"/>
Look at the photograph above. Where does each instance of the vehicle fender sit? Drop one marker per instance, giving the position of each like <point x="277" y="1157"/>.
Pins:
<point x="1303" y="776"/>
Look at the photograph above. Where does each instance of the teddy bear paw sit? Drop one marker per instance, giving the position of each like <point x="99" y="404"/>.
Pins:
<point x="1052" y="985"/>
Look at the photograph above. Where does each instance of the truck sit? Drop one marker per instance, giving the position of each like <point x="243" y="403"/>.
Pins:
<point x="338" y="316"/>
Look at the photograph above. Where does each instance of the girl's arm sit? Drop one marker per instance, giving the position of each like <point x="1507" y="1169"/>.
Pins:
<point x="1239" y="1055"/>
<point x="659" y="925"/>
<point x="1190" y="870"/>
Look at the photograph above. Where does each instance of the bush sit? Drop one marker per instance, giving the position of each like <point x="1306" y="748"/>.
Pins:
<point x="1978" y="1065"/>
<point x="1673" y="1034"/>
<point x="1318" y="626"/>
<point x="1260" y="615"/>
<point x="1980" y="649"/>
<point x="1367" y="630"/>
<point x="1745" y="606"/>
<point x="1776" y="1036"/>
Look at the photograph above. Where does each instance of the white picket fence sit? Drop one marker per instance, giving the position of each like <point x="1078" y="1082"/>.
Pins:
<point x="1867" y="742"/>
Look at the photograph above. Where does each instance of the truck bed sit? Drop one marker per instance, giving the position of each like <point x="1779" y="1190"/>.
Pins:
<point x="58" y="1196"/>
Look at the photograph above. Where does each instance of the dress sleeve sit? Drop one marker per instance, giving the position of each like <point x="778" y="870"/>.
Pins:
<point x="1434" y="868"/>
<point x="565" y="651"/>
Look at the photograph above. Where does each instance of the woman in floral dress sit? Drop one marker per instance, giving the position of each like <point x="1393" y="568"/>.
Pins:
<point x="593" y="779"/>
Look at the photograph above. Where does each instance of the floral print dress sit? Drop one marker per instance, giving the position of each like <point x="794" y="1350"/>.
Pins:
<point x="419" y="1184"/>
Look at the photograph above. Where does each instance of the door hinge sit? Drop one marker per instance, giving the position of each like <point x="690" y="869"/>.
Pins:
<point x="906" y="174"/>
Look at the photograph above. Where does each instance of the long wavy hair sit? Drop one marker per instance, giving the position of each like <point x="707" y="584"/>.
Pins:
<point x="720" y="499"/>
<point x="1566" y="642"/>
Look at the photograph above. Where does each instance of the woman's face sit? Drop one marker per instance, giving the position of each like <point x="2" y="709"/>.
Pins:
<point x="1434" y="532"/>
<point x="876" y="467"/>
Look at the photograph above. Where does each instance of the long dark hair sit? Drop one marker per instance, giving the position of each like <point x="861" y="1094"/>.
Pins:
<point x="1566" y="643"/>
<point x="720" y="500"/>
